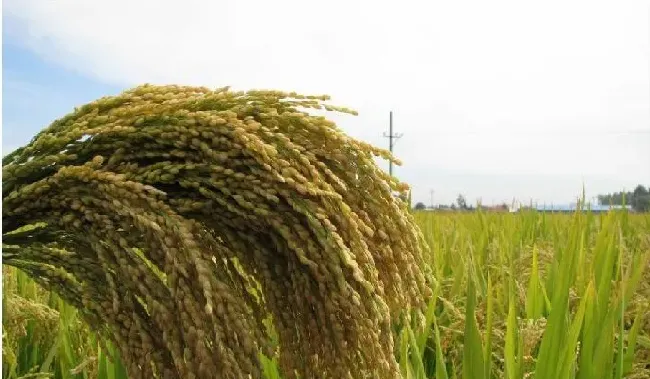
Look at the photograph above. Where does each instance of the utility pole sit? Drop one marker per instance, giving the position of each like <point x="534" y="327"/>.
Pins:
<point x="391" y="141"/>
<point x="432" y="191"/>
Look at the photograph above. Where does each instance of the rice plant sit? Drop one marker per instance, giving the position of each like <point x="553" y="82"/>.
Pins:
<point x="196" y="233"/>
<point x="550" y="296"/>
<point x="536" y="295"/>
<point x="175" y="219"/>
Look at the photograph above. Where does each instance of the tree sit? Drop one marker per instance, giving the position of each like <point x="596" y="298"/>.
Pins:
<point x="639" y="199"/>
<point x="642" y="204"/>
<point x="462" y="203"/>
<point x="420" y="206"/>
<point x="640" y="191"/>
<point x="604" y="199"/>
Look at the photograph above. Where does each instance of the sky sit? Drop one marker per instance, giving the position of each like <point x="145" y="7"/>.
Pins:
<point x="496" y="100"/>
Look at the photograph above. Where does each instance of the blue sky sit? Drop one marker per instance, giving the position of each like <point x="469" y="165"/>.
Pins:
<point x="497" y="100"/>
<point x="36" y="92"/>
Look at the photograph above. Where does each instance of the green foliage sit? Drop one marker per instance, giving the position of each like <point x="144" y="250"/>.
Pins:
<point x="557" y="296"/>
<point x="43" y="337"/>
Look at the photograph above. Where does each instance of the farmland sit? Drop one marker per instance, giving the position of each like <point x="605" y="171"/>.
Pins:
<point x="515" y="296"/>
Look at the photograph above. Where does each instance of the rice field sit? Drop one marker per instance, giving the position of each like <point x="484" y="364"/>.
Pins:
<point x="525" y="295"/>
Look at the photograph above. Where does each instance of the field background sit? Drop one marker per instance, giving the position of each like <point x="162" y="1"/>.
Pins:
<point x="518" y="295"/>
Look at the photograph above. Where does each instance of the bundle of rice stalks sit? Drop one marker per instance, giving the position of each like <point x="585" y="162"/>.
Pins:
<point x="178" y="218"/>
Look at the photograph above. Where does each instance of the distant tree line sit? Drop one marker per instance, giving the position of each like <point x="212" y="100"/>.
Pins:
<point x="639" y="199"/>
<point x="461" y="205"/>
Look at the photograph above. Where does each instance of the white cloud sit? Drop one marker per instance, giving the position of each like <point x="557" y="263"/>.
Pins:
<point x="557" y="90"/>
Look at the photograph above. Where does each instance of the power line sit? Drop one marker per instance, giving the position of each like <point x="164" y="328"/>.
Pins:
<point x="391" y="141"/>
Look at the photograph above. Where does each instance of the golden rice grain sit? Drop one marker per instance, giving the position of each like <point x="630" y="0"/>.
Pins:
<point x="180" y="204"/>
